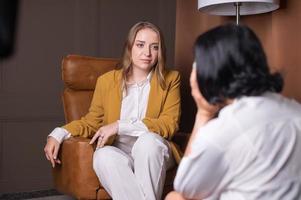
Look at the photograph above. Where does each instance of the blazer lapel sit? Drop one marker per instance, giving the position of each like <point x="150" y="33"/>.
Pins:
<point x="115" y="98"/>
<point x="155" y="98"/>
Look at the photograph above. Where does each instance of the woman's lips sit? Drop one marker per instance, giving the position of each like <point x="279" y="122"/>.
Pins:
<point x="146" y="60"/>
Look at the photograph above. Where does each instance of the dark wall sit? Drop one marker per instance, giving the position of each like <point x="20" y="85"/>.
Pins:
<point x="30" y="80"/>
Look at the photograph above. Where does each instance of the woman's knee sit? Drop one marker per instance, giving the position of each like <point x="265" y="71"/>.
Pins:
<point x="108" y="157"/>
<point x="150" y="144"/>
<point x="102" y="157"/>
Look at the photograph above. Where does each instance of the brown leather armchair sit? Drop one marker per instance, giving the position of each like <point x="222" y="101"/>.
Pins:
<point x="75" y="176"/>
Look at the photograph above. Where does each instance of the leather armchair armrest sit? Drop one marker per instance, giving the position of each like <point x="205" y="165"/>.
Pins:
<point x="75" y="175"/>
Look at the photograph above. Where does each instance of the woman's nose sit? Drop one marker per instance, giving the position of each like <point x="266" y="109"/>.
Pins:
<point x="147" y="51"/>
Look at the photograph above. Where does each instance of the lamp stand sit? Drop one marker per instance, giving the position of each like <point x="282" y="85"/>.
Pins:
<point x="237" y="6"/>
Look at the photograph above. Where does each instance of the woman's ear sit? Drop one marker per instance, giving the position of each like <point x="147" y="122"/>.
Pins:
<point x="201" y="102"/>
<point x="195" y="91"/>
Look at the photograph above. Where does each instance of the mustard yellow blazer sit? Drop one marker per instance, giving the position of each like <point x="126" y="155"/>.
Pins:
<point x="162" y="114"/>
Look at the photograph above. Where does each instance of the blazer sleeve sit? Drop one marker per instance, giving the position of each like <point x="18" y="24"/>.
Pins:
<point x="93" y="120"/>
<point x="168" y="121"/>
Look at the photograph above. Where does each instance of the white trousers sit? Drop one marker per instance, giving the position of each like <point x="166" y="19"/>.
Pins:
<point x="134" y="168"/>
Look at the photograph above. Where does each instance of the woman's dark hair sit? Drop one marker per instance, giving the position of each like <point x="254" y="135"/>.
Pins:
<point x="231" y="63"/>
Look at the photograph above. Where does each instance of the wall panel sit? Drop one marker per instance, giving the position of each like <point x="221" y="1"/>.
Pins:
<point x="279" y="32"/>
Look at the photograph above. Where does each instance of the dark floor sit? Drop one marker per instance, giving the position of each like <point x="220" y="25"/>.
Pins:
<point x="36" y="195"/>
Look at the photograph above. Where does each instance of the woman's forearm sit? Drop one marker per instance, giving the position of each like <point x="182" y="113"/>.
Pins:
<point x="200" y="120"/>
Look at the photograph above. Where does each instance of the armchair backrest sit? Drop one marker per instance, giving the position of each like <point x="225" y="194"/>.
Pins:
<point x="80" y="74"/>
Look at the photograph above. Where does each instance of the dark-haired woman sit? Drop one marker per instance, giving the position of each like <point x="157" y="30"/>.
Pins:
<point x="246" y="143"/>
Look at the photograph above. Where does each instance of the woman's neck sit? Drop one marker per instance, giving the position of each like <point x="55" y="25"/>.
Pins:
<point x="137" y="76"/>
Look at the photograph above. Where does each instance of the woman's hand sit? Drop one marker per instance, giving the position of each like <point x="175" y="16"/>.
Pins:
<point x="205" y="111"/>
<point x="51" y="150"/>
<point x="173" y="195"/>
<point x="104" y="133"/>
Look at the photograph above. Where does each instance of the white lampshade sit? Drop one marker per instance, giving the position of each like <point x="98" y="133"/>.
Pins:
<point x="227" y="8"/>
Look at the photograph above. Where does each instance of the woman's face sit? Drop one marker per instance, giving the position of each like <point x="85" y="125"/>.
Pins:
<point x="145" y="50"/>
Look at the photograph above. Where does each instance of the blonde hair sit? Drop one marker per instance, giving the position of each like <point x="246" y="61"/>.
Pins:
<point x="126" y="61"/>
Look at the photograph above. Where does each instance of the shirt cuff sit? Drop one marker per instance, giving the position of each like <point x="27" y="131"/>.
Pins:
<point x="60" y="134"/>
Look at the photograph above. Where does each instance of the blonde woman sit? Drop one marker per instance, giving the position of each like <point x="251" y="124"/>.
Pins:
<point x="134" y="113"/>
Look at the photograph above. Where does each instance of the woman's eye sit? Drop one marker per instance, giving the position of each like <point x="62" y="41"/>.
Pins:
<point x="155" y="47"/>
<point x="140" y="45"/>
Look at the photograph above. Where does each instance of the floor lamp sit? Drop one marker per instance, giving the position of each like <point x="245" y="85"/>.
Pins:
<point x="237" y="7"/>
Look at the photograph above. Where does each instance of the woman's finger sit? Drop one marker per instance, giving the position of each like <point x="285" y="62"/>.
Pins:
<point x="49" y="154"/>
<point x="100" y="140"/>
<point x="56" y="150"/>
<point x="103" y="141"/>
<point x="55" y="154"/>
<point x="58" y="161"/>
<point x="46" y="154"/>
<point x="98" y="143"/>
<point x="94" y="138"/>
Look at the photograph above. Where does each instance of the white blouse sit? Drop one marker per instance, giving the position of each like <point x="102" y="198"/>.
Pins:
<point x="250" y="151"/>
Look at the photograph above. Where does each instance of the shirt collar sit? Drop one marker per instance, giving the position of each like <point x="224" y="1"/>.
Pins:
<point x="145" y="81"/>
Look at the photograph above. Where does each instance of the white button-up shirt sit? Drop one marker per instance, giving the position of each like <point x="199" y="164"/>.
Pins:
<point x="133" y="109"/>
<point x="250" y="151"/>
